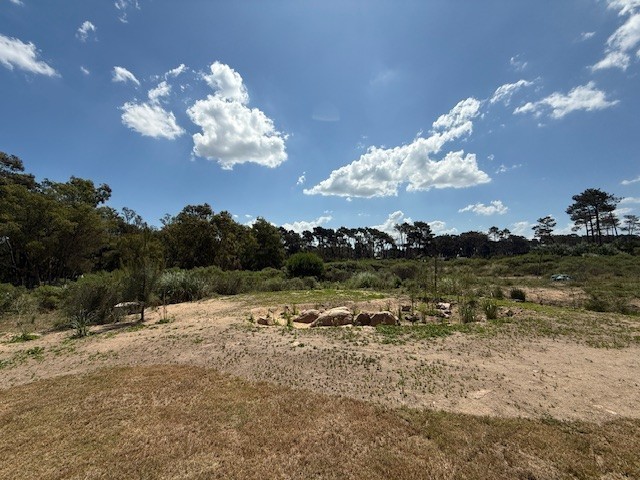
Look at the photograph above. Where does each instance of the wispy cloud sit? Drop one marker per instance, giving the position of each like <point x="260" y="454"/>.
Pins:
<point x="585" y="97"/>
<point x="85" y="30"/>
<point x="23" y="56"/>
<point x="121" y="74"/>
<point x="629" y="182"/>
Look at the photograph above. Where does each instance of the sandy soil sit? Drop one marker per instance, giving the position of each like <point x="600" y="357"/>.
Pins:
<point x="497" y="375"/>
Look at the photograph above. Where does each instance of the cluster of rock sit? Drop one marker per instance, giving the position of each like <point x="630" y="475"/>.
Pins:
<point x="443" y="309"/>
<point x="341" y="316"/>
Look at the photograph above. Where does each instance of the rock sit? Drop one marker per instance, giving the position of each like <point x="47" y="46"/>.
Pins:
<point x="383" y="318"/>
<point x="509" y="313"/>
<point x="128" y="308"/>
<point x="333" y="318"/>
<point x="363" y="319"/>
<point x="444" y="306"/>
<point x="307" y="316"/>
<point x="266" y="321"/>
<point x="412" y="318"/>
<point x="405" y="308"/>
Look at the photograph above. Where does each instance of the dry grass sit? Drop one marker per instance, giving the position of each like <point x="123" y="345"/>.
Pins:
<point x="190" y="422"/>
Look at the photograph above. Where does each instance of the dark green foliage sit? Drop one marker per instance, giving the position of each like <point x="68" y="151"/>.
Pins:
<point x="518" y="294"/>
<point x="49" y="297"/>
<point x="177" y="286"/>
<point x="8" y="295"/>
<point x="94" y="296"/>
<point x="305" y="265"/>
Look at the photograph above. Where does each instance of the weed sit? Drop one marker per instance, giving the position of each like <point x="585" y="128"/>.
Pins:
<point x="468" y="311"/>
<point x="490" y="309"/>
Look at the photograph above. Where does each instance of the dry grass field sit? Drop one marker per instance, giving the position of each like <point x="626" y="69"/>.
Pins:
<point x="199" y="391"/>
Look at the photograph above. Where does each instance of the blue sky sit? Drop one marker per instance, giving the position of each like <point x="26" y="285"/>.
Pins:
<point x="464" y="114"/>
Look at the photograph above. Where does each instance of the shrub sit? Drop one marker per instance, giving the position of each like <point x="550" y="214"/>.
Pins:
<point x="180" y="286"/>
<point x="405" y="270"/>
<point x="305" y="265"/>
<point x="8" y="294"/>
<point x="49" y="297"/>
<point x="518" y="294"/>
<point x="365" y="280"/>
<point x="468" y="311"/>
<point x="497" y="293"/>
<point x="94" y="296"/>
<point x="490" y="309"/>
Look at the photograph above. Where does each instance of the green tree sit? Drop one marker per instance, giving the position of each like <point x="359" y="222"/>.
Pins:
<point x="269" y="250"/>
<point x="588" y="210"/>
<point x="544" y="229"/>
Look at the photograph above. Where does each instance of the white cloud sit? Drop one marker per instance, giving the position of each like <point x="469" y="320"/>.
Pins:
<point x="384" y="78"/>
<point x="162" y="90"/>
<point x="232" y="133"/>
<point x="494" y="208"/>
<point x="586" y="35"/>
<point x="302" y="225"/>
<point x="17" y="2"/>
<point x="84" y="30"/>
<point x="24" y="56"/>
<point x="438" y="227"/>
<point x="628" y="200"/>
<point x="174" y="72"/>
<point x="395" y="218"/>
<point x="522" y="229"/>
<point x="379" y="172"/>
<point x="517" y="63"/>
<point x="505" y="92"/>
<point x="227" y="83"/>
<point x="123" y="6"/>
<point x="625" y="39"/>
<point x="301" y="179"/>
<point x="85" y="70"/>
<point x="585" y="97"/>
<point x="121" y="74"/>
<point x="151" y="120"/>
<point x="503" y="168"/>
<point x="629" y="182"/>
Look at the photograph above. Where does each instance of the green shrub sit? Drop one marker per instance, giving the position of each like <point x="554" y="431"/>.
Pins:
<point x="94" y="296"/>
<point x="468" y="311"/>
<point x="8" y="294"/>
<point x="490" y="309"/>
<point x="405" y="270"/>
<point x="176" y="286"/>
<point x="305" y="265"/>
<point x="365" y="280"/>
<point x="518" y="294"/>
<point x="497" y="293"/>
<point x="49" y="297"/>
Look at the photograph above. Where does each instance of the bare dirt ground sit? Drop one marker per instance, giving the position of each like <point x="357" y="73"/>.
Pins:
<point x="498" y="375"/>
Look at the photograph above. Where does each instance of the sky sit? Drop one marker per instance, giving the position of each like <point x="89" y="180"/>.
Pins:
<point x="462" y="114"/>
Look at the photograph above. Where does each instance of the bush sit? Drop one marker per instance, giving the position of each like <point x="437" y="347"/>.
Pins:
<point x="94" y="296"/>
<point x="365" y="280"/>
<point x="468" y="311"/>
<point x="49" y="297"/>
<point x="180" y="286"/>
<point x="8" y="295"/>
<point x="518" y="294"/>
<point x="405" y="270"/>
<point x="305" y="265"/>
<point x="490" y="309"/>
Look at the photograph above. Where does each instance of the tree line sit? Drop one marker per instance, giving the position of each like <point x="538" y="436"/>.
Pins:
<point x="61" y="230"/>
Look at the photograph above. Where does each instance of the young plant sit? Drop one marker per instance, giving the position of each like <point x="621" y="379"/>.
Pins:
<point x="490" y="309"/>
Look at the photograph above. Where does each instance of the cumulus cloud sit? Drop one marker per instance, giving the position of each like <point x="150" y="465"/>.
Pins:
<point x="585" y="97"/>
<point x="625" y="40"/>
<point x="438" y="227"/>
<point x="150" y="118"/>
<point x="121" y="74"/>
<point x="629" y="182"/>
<point x="505" y="92"/>
<point x="522" y="229"/>
<point x="494" y="208"/>
<point x="24" y="56"/>
<point x="629" y="200"/>
<point x="233" y="133"/>
<point x="395" y="218"/>
<point x="379" y="172"/>
<point x="302" y="225"/>
<point x="85" y="30"/>
<point x="301" y="179"/>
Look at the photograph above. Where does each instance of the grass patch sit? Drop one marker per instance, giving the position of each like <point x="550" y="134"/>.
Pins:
<point x="200" y="424"/>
